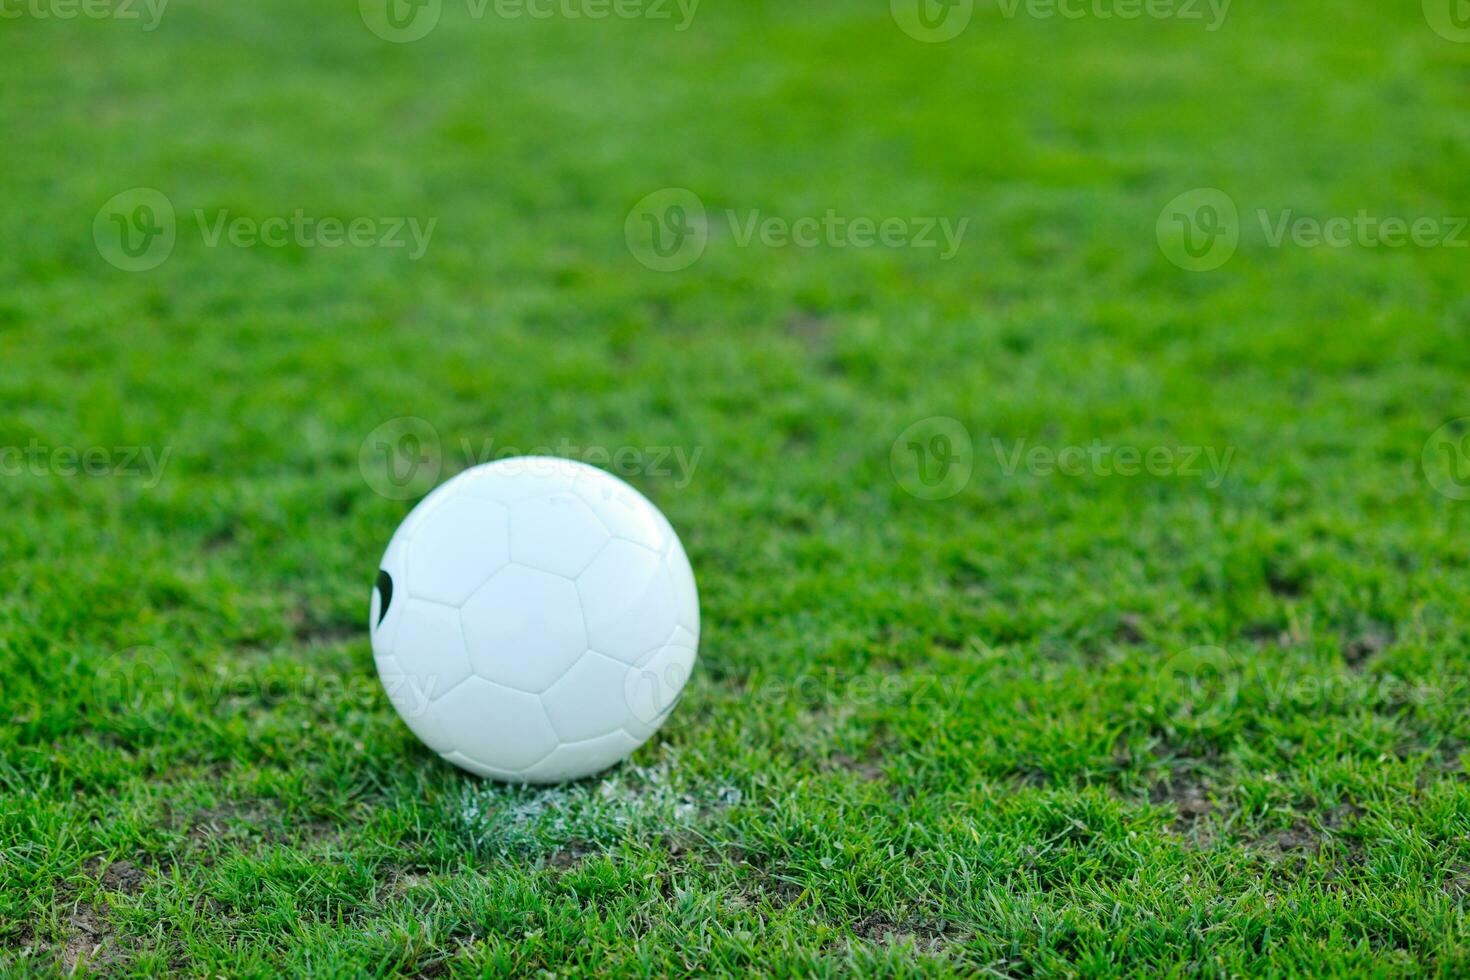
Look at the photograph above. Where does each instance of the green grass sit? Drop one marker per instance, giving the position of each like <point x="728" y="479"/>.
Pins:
<point x="964" y="735"/>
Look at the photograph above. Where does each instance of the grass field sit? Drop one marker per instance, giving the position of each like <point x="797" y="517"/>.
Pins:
<point x="1084" y="568"/>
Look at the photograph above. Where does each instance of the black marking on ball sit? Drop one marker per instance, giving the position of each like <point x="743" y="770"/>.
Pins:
<point x="385" y="589"/>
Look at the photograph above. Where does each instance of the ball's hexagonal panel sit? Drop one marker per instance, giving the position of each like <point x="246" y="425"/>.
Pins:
<point x="577" y="759"/>
<point x="629" y="601"/>
<point x="555" y="533"/>
<point x="495" y="726"/>
<point x="383" y="624"/>
<point x="507" y="481"/>
<point x="479" y="768"/>
<point x="686" y="594"/>
<point x="430" y="646"/>
<point x="456" y="549"/>
<point x="655" y="683"/>
<point x="625" y="512"/>
<point x="413" y="705"/>
<point x="579" y="706"/>
<point x="427" y="506"/>
<point x="524" y="628"/>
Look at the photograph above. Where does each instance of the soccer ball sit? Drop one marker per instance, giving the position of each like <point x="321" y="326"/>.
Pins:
<point x="534" y="620"/>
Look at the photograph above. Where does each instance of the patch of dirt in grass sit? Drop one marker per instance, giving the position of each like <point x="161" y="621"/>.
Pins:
<point x="573" y="851"/>
<point x="88" y="940"/>
<point x="768" y="883"/>
<point x="1130" y="629"/>
<point x="1189" y="798"/>
<point x="230" y="820"/>
<point x="1192" y="805"/>
<point x="307" y="628"/>
<point x="327" y="634"/>
<point x="1266" y="632"/>
<point x="1442" y="761"/>
<point x="401" y="881"/>
<point x="883" y="931"/>
<point x="1337" y="817"/>
<point x="310" y="631"/>
<point x="1457" y="880"/>
<point x="778" y="892"/>
<point x="1297" y="839"/>
<point x="1359" y="649"/>
<point x="1287" y="582"/>
<point x="442" y="964"/>
<point x="865" y="770"/>
<point x="814" y="330"/>
<point x="564" y="860"/>
<point x="220" y="539"/>
<point x="1306" y="839"/>
<point x="119" y="876"/>
<point x="691" y="847"/>
<point x="260" y="819"/>
<point x="1191" y="809"/>
<point x="434" y="968"/>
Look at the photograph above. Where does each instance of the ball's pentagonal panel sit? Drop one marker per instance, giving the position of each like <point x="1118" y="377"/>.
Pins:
<point x="413" y="704"/>
<point x="456" y="548"/>
<point x="431" y="638"/>
<point x="574" y="760"/>
<point x="626" y="513"/>
<point x="495" y="726"/>
<point x="654" y="684"/>
<point x="628" y="599"/>
<point x="578" y="704"/>
<point x="524" y="628"/>
<point x="534" y="619"/>
<point x="556" y="533"/>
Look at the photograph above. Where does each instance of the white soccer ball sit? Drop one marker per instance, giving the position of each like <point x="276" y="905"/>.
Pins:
<point x="535" y="620"/>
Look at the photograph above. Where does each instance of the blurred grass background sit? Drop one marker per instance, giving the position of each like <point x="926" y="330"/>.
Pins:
<point x="925" y="736"/>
